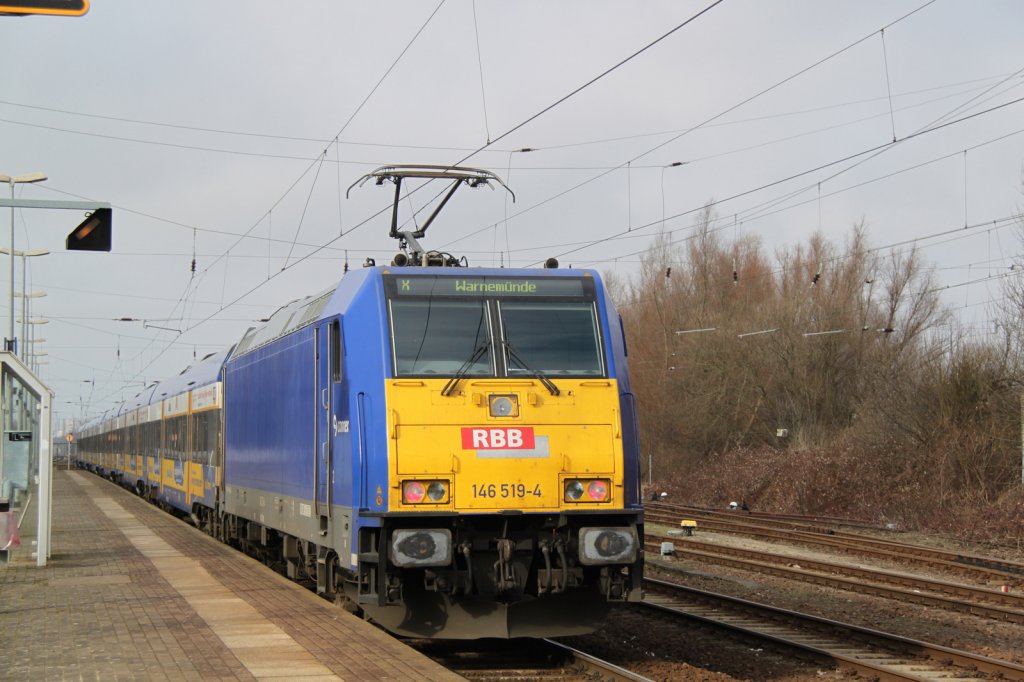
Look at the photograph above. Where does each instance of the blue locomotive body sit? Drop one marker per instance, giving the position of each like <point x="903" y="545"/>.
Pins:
<point x="302" y="403"/>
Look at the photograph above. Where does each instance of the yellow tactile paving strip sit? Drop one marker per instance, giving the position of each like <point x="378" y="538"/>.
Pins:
<point x="262" y="647"/>
<point x="133" y="594"/>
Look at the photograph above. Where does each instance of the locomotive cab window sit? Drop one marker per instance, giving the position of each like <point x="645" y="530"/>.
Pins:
<point x="555" y="338"/>
<point x="434" y="336"/>
<point x="494" y="327"/>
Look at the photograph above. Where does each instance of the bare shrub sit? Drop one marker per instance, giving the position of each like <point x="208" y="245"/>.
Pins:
<point x="826" y="383"/>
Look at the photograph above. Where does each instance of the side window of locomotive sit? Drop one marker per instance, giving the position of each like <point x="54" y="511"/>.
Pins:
<point x="551" y="337"/>
<point x="336" y="351"/>
<point x="622" y="330"/>
<point x="432" y="336"/>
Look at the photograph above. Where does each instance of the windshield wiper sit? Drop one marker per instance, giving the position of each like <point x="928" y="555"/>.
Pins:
<point x="478" y="353"/>
<point x="548" y="384"/>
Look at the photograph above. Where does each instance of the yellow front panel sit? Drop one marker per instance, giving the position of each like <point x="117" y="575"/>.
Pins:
<point x="513" y="462"/>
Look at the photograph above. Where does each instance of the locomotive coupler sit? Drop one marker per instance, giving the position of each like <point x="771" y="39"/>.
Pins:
<point x="560" y="548"/>
<point x="504" y="572"/>
<point x="466" y="548"/>
<point x="545" y="549"/>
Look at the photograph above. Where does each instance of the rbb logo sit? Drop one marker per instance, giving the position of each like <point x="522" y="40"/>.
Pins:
<point x="497" y="439"/>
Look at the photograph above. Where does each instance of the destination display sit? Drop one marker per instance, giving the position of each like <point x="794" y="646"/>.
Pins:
<point x="506" y="287"/>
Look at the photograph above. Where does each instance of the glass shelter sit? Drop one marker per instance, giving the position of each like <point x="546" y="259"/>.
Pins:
<point x="25" y="464"/>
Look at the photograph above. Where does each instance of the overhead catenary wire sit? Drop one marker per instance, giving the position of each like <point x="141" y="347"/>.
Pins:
<point x="480" y="64"/>
<point x="528" y="120"/>
<point x="626" y="235"/>
<point x="800" y="174"/>
<point x="392" y="145"/>
<point x="935" y="124"/>
<point x="314" y="256"/>
<point x="123" y="208"/>
<point x="580" y="89"/>
<point x="303" y="174"/>
<point x="705" y="122"/>
<point x="888" y="85"/>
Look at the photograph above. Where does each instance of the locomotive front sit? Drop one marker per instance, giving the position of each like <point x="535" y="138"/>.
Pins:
<point x="513" y="506"/>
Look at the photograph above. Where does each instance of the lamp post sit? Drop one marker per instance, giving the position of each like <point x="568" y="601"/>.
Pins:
<point x="25" y="294"/>
<point x="25" y="312"/>
<point x="24" y="348"/>
<point x="33" y="322"/>
<point x="36" y="362"/>
<point x="13" y="180"/>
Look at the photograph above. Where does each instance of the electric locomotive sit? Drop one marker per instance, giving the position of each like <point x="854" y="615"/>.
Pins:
<point x="450" y="450"/>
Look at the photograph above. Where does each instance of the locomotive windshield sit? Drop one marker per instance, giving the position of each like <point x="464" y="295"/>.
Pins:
<point x="553" y="338"/>
<point x="490" y="326"/>
<point x="438" y="337"/>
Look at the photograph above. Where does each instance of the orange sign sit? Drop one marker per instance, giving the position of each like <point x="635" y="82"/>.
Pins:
<point x="69" y="8"/>
<point x="69" y="438"/>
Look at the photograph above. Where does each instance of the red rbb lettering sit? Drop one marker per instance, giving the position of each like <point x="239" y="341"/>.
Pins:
<point x="497" y="438"/>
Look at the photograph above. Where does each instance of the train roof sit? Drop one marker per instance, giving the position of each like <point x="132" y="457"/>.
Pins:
<point x="289" y="317"/>
<point x="141" y="399"/>
<point x="205" y="371"/>
<point x="305" y="311"/>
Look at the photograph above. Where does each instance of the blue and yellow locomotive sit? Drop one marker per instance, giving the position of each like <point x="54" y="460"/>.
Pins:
<point x="451" y="450"/>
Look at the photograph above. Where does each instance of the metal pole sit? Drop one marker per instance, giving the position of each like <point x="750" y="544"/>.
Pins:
<point x="24" y="308"/>
<point x="11" y="316"/>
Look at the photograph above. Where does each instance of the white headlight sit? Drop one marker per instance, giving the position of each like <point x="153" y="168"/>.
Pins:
<point x="616" y="545"/>
<point x="421" y="547"/>
<point x="503" y="405"/>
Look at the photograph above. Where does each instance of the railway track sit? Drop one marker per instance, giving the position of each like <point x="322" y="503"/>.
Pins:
<point x="792" y="520"/>
<point x="873" y="654"/>
<point x="899" y="586"/>
<point x="535" y="659"/>
<point x="812" y="533"/>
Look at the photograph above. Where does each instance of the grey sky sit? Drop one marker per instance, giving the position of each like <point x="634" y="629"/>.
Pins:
<point x="201" y="122"/>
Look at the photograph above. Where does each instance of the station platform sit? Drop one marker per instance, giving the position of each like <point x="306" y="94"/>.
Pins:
<point x="131" y="593"/>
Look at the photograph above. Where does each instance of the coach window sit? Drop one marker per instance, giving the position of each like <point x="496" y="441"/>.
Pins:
<point x="151" y="438"/>
<point x="177" y="446"/>
<point x="204" y="436"/>
<point x="336" y="351"/>
<point x="198" y="435"/>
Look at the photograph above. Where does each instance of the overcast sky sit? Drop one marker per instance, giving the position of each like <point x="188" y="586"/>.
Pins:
<point x="202" y="122"/>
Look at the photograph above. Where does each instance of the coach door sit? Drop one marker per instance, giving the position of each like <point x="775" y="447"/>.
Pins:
<point x="324" y="440"/>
